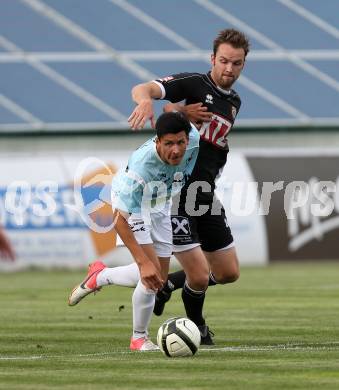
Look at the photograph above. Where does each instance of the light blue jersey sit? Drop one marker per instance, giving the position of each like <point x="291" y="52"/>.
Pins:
<point x="148" y="182"/>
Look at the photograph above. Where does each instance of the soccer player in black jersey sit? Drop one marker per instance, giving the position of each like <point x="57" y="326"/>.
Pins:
<point x="202" y="239"/>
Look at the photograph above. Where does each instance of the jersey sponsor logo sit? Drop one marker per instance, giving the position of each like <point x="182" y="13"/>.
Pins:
<point x="209" y="99"/>
<point x="216" y="131"/>
<point x="180" y="226"/>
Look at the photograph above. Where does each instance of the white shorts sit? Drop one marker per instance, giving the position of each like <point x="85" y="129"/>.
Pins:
<point x="158" y="232"/>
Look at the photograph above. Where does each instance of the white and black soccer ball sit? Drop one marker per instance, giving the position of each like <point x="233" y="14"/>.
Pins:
<point x="178" y="336"/>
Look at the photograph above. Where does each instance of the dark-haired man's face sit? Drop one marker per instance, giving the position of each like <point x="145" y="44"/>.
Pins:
<point x="227" y="64"/>
<point x="172" y="147"/>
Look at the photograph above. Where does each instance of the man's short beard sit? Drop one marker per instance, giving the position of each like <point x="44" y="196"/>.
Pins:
<point x="228" y="85"/>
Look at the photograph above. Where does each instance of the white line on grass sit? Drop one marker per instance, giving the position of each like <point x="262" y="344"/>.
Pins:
<point x="279" y="347"/>
<point x="327" y="346"/>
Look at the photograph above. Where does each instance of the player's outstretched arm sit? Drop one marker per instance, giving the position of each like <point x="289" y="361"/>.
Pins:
<point x="6" y="250"/>
<point x="143" y="95"/>
<point x="196" y="113"/>
<point x="149" y="272"/>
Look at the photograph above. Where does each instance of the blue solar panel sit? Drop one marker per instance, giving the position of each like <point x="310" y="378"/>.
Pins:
<point x="106" y="80"/>
<point x="329" y="67"/>
<point x="255" y="107"/>
<point x="112" y="25"/>
<point x="44" y="98"/>
<point x="280" y="24"/>
<point x="177" y="15"/>
<point x="325" y="9"/>
<point x="300" y="89"/>
<point x="165" y="68"/>
<point x="8" y="117"/>
<point x="33" y="32"/>
<point x="74" y="62"/>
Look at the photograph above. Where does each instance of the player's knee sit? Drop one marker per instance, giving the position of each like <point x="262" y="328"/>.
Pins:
<point x="230" y="276"/>
<point x="233" y="277"/>
<point x="198" y="282"/>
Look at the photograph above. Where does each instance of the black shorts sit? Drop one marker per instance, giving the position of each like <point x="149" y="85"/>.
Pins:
<point x="210" y="231"/>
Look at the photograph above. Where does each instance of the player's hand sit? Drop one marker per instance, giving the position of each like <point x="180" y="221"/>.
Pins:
<point x="171" y="107"/>
<point x="150" y="276"/>
<point x="197" y="113"/>
<point x="141" y="114"/>
<point x="6" y="251"/>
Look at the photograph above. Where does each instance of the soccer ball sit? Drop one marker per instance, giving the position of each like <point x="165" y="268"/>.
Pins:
<point x="178" y="336"/>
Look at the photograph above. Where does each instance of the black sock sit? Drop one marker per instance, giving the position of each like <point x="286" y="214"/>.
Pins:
<point x="193" y="302"/>
<point x="212" y="281"/>
<point x="174" y="281"/>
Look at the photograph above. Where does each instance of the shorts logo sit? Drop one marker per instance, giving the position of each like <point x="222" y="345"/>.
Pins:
<point x="180" y="226"/>
<point x="137" y="226"/>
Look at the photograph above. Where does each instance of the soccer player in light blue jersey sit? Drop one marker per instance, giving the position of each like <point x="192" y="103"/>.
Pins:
<point x="141" y="200"/>
<point x="205" y="247"/>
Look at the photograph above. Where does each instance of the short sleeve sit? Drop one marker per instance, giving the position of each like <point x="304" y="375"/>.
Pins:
<point x="177" y="87"/>
<point x="127" y="191"/>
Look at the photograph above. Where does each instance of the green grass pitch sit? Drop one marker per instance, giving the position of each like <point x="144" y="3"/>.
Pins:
<point x="276" y="328"/>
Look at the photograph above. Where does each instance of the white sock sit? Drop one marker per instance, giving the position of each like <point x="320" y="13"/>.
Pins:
<point x="143" y="304"/>
<point x="126" y="275"/>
